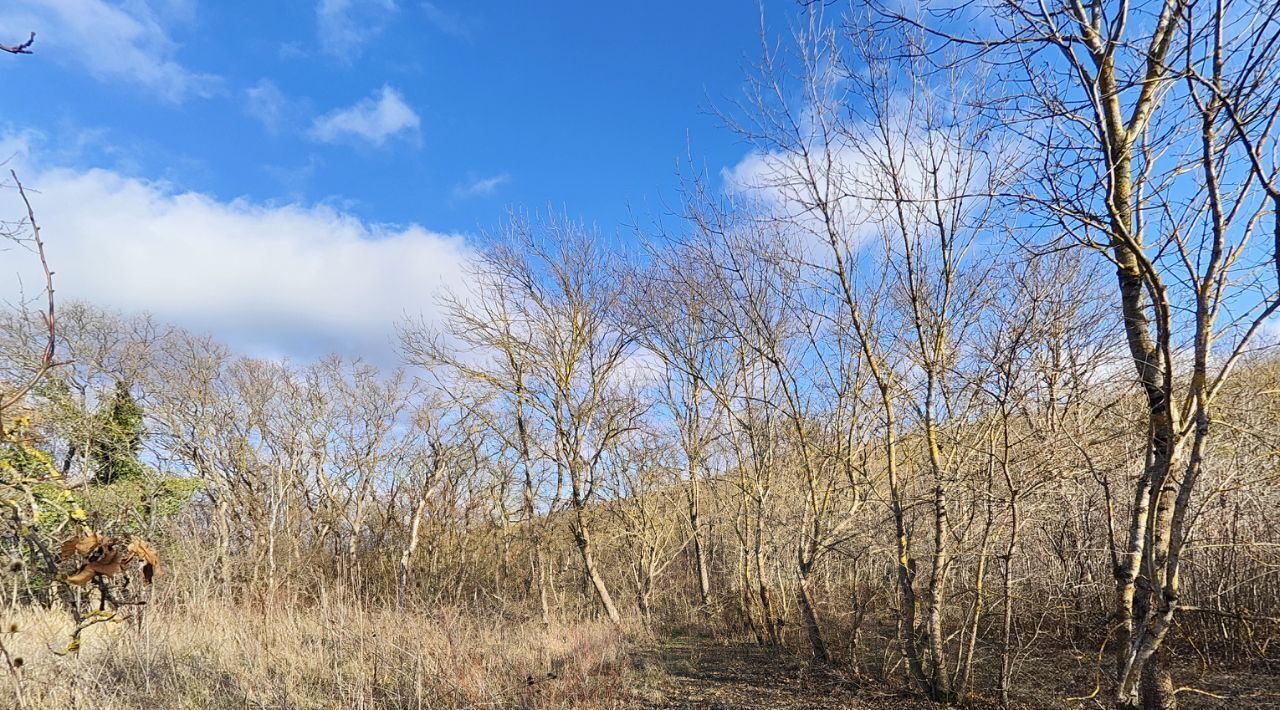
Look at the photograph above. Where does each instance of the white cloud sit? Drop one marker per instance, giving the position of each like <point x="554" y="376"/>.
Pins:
<point x="272" y="280"/>
<point x="844" y="173"/>
<point x="374" y="120"/>
<point x="480" y="187"/>
<point x="853" y="175"/>
<point x="265" y="102"/>
<point x="113" y="42"/>
<point x="445" y="21"/>
<point x="345" y="26"/>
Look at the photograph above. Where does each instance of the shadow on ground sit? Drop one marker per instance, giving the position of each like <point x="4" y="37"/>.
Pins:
<point x="702" y="673"/>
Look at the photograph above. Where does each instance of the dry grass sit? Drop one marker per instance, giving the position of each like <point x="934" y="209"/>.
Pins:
<point x="332" y="655"/>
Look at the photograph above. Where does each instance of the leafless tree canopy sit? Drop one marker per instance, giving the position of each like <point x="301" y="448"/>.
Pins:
<point x="961" y="386"/>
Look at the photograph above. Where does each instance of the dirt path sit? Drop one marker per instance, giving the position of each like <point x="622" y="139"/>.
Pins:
<point x="701" y="673"/>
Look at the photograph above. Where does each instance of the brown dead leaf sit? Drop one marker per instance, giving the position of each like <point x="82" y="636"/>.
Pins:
<point x="108" y="556"/>
<point x="110" y="563"/>
<point x="142" y="550"/>
<point x="81" y="577"/>
<point x="82" y="545"/>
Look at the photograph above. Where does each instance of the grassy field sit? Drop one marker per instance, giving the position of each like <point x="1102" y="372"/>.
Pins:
<point x="330" y="655"/>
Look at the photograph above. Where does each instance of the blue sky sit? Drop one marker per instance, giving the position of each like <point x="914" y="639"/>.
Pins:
<point x="583" y="105"/>
<point x="296" y="176"/>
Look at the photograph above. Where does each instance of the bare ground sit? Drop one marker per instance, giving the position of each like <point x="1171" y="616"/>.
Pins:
<point x="701" y="673"/>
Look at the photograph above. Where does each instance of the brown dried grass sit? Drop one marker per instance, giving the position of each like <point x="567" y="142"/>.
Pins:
<point x="325" y="655"/>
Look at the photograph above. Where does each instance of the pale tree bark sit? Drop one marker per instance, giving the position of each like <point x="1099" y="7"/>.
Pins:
<point x="1169" y="213"/>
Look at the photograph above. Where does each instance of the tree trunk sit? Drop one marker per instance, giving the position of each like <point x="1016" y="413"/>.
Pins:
<point x="906" y="566"/>
<point x="939" y="679"/>
<point x="583" y="537"/>
<point x="811" y="625"/>
<point x="406" y="554"/>
<point x="963" y="673"/>
<point x="1157" y="686"/>
<point x="1006" y="631"/>
<point x="770" y="620"/>
<point x="1130" y="655"/>
<point x="699" y="553"/>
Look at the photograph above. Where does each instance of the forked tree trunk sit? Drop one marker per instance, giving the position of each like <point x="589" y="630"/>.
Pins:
<point x="1131" y="657"/>
<point x="767" y="612"/>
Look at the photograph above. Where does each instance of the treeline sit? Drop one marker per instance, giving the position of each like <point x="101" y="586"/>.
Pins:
<point x="962" y="380"/>
<point x="589" y="436"/>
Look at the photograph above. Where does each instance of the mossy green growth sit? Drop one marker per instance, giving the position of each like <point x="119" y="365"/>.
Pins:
<point x="36" y="505"/>
<point x="120" y="429"/>
<point x="134" y="503"/>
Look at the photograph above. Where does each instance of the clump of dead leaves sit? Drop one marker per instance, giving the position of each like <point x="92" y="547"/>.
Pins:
<point x="106" y="556"/>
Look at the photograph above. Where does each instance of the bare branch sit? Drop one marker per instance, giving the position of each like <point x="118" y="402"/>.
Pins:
<point x="24" y="48"/>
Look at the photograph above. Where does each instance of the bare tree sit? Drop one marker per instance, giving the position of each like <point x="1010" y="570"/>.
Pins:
<point x="1148" y="118"/>
<point x="567" y="360"/>
<point x="674" y="322"/>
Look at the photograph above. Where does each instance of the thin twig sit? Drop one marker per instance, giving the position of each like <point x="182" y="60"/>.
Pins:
<point x="24" y="48"/>
<point x="1239" y="616"/>
<point x="1189" y="689"/>
<point x="46" y="358"/>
